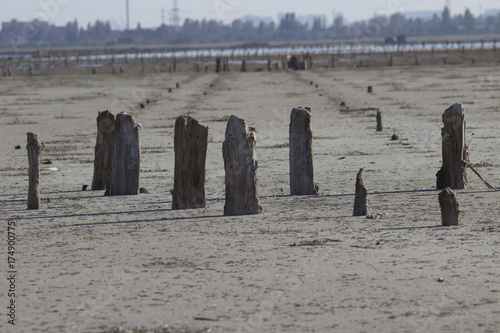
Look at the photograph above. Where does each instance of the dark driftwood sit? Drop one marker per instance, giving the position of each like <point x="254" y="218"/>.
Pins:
<point x="361" y="196"/>
<point x="190" y="145"/>
<point x="379" y="121"/>
<point x="453" y="172"/>
<point x="126" y="156"/>
<point x="301" y="157"/>
<point x="450" y="207"/>
<point x="240" y="164"/>
<point x="34" y="147"/>
<point x="104" y="148"/>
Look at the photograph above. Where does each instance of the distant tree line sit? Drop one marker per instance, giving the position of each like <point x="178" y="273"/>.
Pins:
<point x="290" y="28"/>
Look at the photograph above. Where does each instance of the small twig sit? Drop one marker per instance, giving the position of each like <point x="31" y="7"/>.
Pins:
<point x="477" y="173"/>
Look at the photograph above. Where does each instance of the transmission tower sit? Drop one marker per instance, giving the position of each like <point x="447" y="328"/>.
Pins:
<point x="128" y="15"/>
<point x="175" y="15"/>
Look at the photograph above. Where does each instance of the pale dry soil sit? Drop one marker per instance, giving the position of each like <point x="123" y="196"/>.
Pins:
<point x="90" y="263"/>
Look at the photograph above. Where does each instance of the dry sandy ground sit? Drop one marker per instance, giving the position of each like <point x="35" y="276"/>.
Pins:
<point x="88" y="263"/>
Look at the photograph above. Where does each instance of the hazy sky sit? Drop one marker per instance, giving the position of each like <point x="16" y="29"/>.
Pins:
<point x="149" y="12"/>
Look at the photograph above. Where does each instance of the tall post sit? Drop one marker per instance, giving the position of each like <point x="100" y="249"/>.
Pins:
<point x="240" y="164"/>
<point x="104" y="148"/>
<point x="379" y="121"/>
<point x="34" y="147"/>
<point x="217" y="65"/>
<point x="453" y="172"/>
<point x="301" y="157"/>
<point x="360" y="196"/>
<point x="126" y="156"/>
<point x="190" y="146"/>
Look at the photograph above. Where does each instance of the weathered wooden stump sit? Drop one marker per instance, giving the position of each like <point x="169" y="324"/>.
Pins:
<point x="126" y="156"/>
<point x="34" y="147"/>
<point x="190" y="146"/>
<point x="104" y="148"/>
<point x="379" y="121"/>
<point x="360" y="196"/>
<point x="453" y="172"/>
<point x="269" y="65"/>
<point x="450" y="207"/>
<point x="294" y="63"/>
<point x="243" y="65"/>
<point x="301" y="157"/>
<point x="217" y="65"/>
<point x="369" y="89"/>
<point x="240" y="164"/>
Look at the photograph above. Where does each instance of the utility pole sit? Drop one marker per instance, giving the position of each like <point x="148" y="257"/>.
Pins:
<point x="128" y="16"/>
<point x="162" y="15"/>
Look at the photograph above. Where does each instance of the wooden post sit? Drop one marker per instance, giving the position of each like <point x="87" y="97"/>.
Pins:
<point x="269" y="65"/>
<point x="126" y="156"/>
<point x="240" y="164"/>
<point x="333" y="61"/>
<point x="379" y="121"/>
<point x="450" y="207"/>
<point x="453" y="172"/>
<point x="294" y="63"/>
<point x="34" y="147"/>
<point x="243" y="65"/>
<point x="217" y="65"/>
<point x="361" y="196"/>
<point x="301" y="157"/>
<point x="104" y="148"/>
<point x="190" y="146"/>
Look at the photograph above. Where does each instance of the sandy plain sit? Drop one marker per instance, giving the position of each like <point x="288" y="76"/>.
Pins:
<point x="90" y="263"/>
